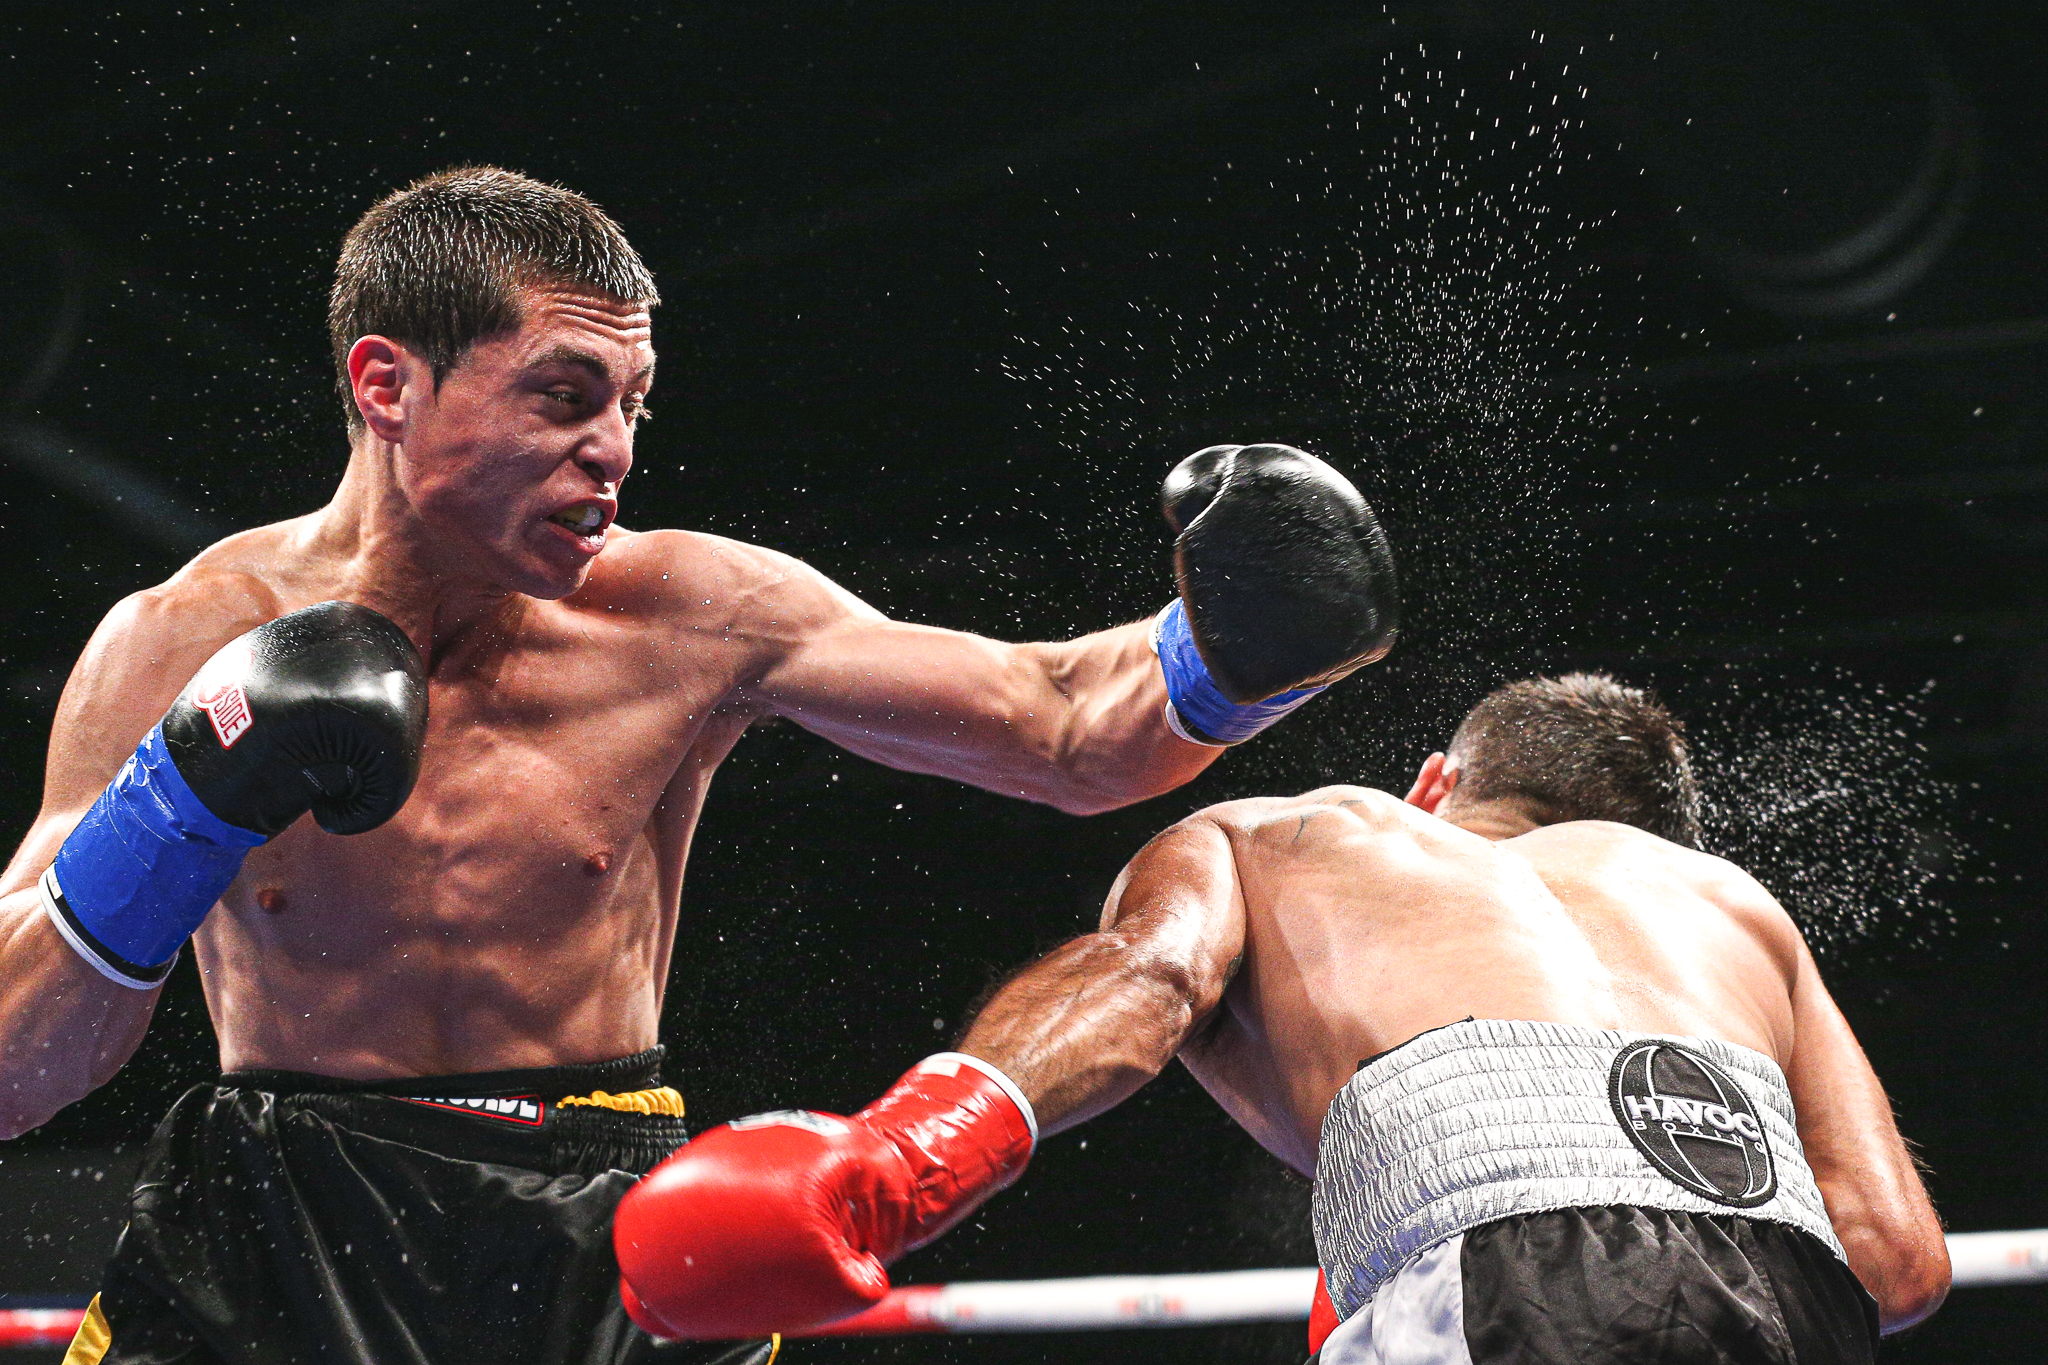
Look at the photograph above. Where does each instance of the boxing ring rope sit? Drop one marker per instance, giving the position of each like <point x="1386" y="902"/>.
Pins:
<point x="1102" y="1302"/>
<point x="1090" y="1304"/>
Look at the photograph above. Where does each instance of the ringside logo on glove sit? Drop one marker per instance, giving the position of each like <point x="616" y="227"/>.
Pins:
<point x="218" y="691"/>
<point x="342" y="695"/>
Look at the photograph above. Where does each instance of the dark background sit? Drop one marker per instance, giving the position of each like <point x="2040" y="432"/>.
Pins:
<point x="1716" y="361"/>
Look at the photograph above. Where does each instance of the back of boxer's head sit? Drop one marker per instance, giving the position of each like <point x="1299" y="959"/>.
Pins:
<point x="441" y="264"/>
<point x="1580" y="747"/>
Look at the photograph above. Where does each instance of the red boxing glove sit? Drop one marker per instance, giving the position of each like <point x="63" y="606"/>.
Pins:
<point x="786" y="1220"/>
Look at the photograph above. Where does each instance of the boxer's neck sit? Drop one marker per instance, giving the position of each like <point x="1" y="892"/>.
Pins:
<point x="1504" y="818"/>
<point x="384" y="556"/>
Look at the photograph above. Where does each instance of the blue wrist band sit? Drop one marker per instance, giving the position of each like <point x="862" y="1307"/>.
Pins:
<point x="142" y="869"/>
<point x="1196" y="708"/>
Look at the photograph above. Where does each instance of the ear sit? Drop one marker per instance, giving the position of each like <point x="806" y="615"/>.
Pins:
<point x="1436" y="781"/>
<point x="377" y="371"/>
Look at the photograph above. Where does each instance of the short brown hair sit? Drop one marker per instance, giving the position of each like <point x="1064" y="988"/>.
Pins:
<point x="1581" y="747"/>
<point x="439" y="265"/>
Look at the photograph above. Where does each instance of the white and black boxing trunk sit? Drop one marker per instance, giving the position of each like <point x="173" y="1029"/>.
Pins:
<point x="1506" y="1190"/>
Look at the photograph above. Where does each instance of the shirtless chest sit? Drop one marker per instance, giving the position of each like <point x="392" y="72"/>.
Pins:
<point x="545" y="774"/>
<point x="521" y="908"/>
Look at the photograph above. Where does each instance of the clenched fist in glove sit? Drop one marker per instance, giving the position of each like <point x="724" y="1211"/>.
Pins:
<point x="788" y="1220"/>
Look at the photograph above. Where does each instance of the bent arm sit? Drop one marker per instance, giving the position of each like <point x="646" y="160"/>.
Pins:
<point x="64" y="1028"/>
<point x="1083" y="1028"/>
<point x="1079" y="725"/>
<point x="1874" y="1195"/>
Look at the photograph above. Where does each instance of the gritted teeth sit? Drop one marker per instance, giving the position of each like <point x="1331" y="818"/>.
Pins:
<point x="585" y="518"/>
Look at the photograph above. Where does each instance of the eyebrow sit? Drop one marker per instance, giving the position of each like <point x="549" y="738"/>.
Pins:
<point x="584" y="360"/>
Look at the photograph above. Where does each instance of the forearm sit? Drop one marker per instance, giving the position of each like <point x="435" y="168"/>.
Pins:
<point x="64" y="1028"/>
<point x="1901" y="1259"/>
<point x="1082" y="1029"/>
<point x="1078" y="725"/>
<point x="1906" y="1293"/>
<point x="1875" y="1198"/>
<point x="1112" y="745"/>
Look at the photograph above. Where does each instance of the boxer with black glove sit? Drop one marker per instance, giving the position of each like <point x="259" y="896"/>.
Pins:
<point x="1286" y="586"/>
<point x="493" y="346"/>
<point x="323" y="710"/>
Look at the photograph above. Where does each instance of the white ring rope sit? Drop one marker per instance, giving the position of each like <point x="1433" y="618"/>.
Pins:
<point x="1981" y="1258"/>
<point x="1093" y="1303"/>
<point x="1108" y="1301"/>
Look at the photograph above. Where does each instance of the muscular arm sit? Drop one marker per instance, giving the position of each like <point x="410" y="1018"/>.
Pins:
<point x="1875" y="1199"/>
<point x="64" y="1028"/>
<point x="1078" y="725"/>
<point x="1087" y="1025"/>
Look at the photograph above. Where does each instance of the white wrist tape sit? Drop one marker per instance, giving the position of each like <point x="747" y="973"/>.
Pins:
<point x="951" y="1062"/>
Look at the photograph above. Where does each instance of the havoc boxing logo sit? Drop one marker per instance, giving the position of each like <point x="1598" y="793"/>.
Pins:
<point x="1693" y="1123"/>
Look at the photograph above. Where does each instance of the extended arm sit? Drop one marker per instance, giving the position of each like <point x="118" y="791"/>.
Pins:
<point x="1874" y="1196"/>
<point x="1286" y="585"/>
<point x="785" y="1220"/>
<point x="1078" y="725"/>
<point x="1084" y="1027"/>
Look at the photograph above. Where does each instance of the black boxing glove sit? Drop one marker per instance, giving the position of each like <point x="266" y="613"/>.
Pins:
<point x="1286" y="585"/>
<point x="323" y="710"/>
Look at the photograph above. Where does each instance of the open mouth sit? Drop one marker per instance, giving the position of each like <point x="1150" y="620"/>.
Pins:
<point x="584" y="518"/>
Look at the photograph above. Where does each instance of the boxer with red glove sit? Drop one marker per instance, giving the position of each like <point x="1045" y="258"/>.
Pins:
<point x="787" y="1220"/>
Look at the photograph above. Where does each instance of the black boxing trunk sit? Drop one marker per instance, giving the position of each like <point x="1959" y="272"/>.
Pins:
<point x="283" y="1218"/>
<point x="1508" y="1190"/>
<point x="1616" y="1286"/>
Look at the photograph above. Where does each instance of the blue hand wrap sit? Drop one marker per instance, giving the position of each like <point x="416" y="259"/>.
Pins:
<point x="142" y="869"/>
<point x="1196" y="709"/>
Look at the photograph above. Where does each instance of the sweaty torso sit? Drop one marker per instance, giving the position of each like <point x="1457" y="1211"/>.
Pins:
<point x="1368" y="922"/>
<point x="521" y="909"/>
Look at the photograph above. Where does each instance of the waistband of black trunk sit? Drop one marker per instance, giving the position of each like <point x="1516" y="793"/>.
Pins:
<point x="641" y="1071"/>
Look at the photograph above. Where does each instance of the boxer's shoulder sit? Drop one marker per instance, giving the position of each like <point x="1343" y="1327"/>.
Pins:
<point x="697" y="580"/>
<point x="1609" y="843"/>
<point x="160" y="630"/>
<point x="1745" y="901"/>
<point x="1601" y="852"/>
<point x="1351" y="803"/>
<point x="139" y="659"/>
<point x="227" y="589"/>
<point x="1365" y="802"/>
<point x="1292" y="825"/>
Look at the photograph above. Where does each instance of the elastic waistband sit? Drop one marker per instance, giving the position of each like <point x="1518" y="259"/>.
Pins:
<point x="1488" y="1118"/>
<point x="640" y="1071"/>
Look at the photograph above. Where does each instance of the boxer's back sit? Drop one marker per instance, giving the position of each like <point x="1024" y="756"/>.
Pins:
<point x="1368" y="921"/>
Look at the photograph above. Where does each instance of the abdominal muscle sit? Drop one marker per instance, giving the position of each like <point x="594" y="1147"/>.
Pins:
<point x="438" y="979"/>
<point x="492" y="925"/>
